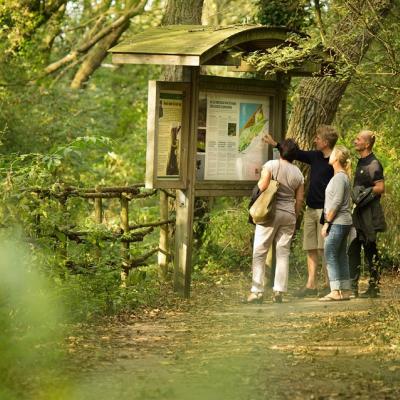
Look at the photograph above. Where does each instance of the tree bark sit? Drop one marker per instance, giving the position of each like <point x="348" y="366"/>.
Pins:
<point x="183" y="12"/>
<point x="317" y="99"/>
<point x="315" y="104"/>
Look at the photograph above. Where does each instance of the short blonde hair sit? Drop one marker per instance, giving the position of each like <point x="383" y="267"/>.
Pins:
<point x="328" y="133"/>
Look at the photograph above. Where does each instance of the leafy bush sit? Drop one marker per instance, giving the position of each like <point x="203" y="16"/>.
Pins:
<point x="86" y="274"/>
<point x="227" y="239"/>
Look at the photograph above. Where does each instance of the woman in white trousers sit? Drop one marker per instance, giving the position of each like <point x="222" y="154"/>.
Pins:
<point x="279" y="233"/>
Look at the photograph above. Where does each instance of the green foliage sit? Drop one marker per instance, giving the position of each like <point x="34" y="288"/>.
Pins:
<point x="110" y="107"/>
<point x="87" y="277"/>
<point x="53" y="137"/>
<point x="229" y="12"/>
<point x="294" y="14"/>
<point x="30" y="322"/>
<point x="220" y="248"/>
<point x="288" y="58"/>
<point x="97" y="292"/>
<point x="17" y="21"/>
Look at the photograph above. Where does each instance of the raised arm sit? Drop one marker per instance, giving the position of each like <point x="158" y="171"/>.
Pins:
<point x="270" y="140"/>
<point x="301" y="155"/>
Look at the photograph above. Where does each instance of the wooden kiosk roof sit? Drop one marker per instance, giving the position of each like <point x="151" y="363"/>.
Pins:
<point x="195" y="45"/>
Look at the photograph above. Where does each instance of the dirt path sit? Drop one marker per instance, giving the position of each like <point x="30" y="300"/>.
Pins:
<point x="214" y="347"/>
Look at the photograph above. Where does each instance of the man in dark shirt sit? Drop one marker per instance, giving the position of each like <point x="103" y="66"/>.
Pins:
<point x="368" y="217"/>
<point x="320" y="174"/>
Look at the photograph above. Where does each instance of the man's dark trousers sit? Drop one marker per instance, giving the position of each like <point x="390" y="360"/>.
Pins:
<point x="371" y="257"/>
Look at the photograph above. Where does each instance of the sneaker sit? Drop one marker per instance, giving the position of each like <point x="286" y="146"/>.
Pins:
<point x="371" y="293"/>
<point x="277" y="297"/>
<point x="306" y="292"/>
<point x="255" y="298"/>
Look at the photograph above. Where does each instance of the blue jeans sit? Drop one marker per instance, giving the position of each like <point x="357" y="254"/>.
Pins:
<point x="337" y="261"/>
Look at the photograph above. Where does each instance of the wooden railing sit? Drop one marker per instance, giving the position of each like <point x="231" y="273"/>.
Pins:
<point x="126" y="233"/>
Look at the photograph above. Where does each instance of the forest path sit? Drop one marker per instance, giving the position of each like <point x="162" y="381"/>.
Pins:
<point x="214" y="347"/>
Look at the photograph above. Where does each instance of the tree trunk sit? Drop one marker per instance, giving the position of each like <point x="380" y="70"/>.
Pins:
<point x="317" y="99"/>
<point x="183" y="12"/>
<point x="316" y="102"/>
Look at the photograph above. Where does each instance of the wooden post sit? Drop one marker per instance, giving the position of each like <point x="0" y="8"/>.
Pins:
<point x="98" y="217"/>
<point x="124" y="215"/>
<point x="64" y="211"/>
<point x="98" y="210"/>
<point x="185" y="199"/>
<point x="164" y="237"/>
<point x="38" y="230"/>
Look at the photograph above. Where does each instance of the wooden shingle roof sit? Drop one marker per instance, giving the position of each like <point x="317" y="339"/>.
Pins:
<point x="196" y="45"/>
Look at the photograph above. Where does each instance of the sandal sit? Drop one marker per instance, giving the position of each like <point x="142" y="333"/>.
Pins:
<point x="335" y="295"/>
<point x="255" y="298"/>
<point x="277" y="297"/>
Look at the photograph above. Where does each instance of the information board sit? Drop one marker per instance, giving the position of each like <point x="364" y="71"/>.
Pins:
<point x="169" y="133"/>
<point x="229" y="143"/>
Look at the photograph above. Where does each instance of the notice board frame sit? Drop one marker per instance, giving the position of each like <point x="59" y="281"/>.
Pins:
<point x="153" y="180"/>
<point x="272" y="90"/>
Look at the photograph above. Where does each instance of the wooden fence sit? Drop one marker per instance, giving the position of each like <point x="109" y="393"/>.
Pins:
<point x="127" y="233"/>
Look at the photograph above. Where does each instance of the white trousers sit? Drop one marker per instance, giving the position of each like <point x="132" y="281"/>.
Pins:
<point x="279" y="234"/>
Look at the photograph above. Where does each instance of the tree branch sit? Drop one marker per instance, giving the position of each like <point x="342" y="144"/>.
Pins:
<point x="87" y="45"/>
<point x="67" y="68"/>
<point x="320" y="23"/>
<point x="96" y="56"/>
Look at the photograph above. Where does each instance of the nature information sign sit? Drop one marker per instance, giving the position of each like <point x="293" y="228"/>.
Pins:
<point x="229" y="145"/>
<point x="169" y="133"/>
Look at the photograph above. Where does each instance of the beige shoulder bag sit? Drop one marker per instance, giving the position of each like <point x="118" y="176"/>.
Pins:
<point x="263" y="209"/>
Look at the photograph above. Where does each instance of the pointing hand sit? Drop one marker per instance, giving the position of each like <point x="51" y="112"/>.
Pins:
<point x="267" y="138"/>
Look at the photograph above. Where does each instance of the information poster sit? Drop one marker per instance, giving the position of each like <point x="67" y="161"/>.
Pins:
<point x="169" y="133"/>
<point x="231" y="128"/>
